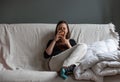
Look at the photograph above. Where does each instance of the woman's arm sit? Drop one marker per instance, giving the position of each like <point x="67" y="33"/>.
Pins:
<point x="49" y="50"/>
<point x="68" y="43"/>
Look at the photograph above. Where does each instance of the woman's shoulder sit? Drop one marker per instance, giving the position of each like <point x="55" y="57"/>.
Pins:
<point x="72" y="42"/>
<point x="49" y="42"/>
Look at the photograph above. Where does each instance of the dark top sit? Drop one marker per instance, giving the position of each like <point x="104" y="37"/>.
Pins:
<point x="58" y="48"/>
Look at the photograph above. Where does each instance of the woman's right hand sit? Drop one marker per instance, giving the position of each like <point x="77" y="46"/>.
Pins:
<point x="57" y="37"/>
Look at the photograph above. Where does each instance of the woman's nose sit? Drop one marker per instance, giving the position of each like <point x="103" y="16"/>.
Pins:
<point x="62" y="28"/>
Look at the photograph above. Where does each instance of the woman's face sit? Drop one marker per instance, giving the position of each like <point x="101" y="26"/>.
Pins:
<point x="62" y="28"/>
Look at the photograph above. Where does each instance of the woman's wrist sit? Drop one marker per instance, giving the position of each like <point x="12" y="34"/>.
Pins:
<point x="68" y="44"/>
<point x="55" y="40"/>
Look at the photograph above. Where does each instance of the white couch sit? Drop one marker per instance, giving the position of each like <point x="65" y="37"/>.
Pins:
<point x="22" y="47"/>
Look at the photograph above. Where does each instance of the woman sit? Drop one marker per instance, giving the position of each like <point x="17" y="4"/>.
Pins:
<point x="60" y="43"/>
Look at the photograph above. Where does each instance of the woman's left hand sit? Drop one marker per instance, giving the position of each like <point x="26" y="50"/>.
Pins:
<point x="66" y="41"/>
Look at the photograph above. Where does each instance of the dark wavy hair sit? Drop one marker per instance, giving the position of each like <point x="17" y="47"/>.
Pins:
<point x="60" y="22"/>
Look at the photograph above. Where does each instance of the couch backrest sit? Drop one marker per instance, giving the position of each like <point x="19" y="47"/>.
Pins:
<point x="23" y="44"/>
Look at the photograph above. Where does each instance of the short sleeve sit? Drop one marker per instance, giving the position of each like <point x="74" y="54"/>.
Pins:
<point x="72" y="42"/>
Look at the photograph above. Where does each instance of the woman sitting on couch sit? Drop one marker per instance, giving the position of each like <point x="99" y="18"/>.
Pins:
<point x="62" y="42"/>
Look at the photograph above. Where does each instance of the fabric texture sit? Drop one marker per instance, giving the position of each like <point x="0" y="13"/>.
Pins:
<point x="23" y="44"/>
<point x="99" y="62"/>
<point x="107" y="64"/>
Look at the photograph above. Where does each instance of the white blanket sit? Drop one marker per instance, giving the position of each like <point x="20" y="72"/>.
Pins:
<point x="98" y="63"/>
<point x="96" y="66"/>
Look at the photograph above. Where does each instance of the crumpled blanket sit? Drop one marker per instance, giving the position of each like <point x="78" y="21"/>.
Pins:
<point x="95" y="65"/>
